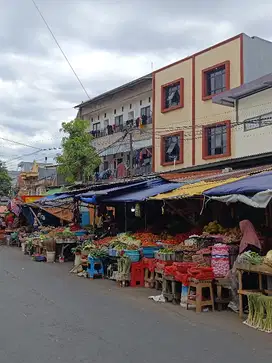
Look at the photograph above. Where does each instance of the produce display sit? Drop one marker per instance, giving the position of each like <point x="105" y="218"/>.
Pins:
<point x="250" y="257"/>
<point x="260" y="312"/>
<point x="220" y="260"/>
<point x="227" y="235"/>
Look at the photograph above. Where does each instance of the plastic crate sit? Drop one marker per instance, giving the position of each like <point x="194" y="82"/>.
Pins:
<point x="133" y="255"/>
<point x="165" y="256"/>
<point x="80" y="233"/>
<point x="149" y="252"/>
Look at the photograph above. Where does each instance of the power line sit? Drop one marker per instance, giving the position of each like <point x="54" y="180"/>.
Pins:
<point x="64" y="55"/>
<point x="20" y="143"/>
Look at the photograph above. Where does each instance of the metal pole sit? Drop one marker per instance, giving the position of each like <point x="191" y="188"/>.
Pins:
<point x="125" y="217"/>
<point x="145" y="214"/>
<point x="130" y="154"/>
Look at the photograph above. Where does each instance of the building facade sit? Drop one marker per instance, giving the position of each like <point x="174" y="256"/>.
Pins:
<point x="252" y="128"/>
<point x="121" y="124"/>
<point x="188" y="128"/>
<point x="35" y="179"/>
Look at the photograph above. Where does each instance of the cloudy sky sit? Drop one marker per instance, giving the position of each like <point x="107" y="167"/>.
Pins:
<point x="108" y="42"/>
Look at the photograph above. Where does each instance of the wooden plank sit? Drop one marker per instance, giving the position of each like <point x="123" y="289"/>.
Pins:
<point x="245" y="292"/>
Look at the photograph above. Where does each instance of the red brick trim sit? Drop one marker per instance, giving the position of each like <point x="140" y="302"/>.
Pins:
<point x="206" y="97"/>
<point x="205" y="155"/>
<point x="181" y="102"/>
<point x="153" y="123"/>
<point x="181" y="155"/>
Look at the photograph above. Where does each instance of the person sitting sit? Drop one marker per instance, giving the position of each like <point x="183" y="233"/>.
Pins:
<point x="250" y="241"/>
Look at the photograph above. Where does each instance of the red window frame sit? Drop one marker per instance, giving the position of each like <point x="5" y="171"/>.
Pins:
<point x="181" y="101"/>
<point x="226" y="64"/>
<point x="205" y="155"/>
<point x="181" y="149"/>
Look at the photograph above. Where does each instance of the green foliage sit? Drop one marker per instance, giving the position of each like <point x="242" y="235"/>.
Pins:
<point x="5" y="181"/>
<point x="79" y="158"/>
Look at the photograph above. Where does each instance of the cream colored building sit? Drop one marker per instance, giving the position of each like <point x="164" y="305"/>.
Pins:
<point x="188" y="128"/>
<point x="252" y="127"/>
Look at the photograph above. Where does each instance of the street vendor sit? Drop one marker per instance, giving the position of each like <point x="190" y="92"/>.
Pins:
<point x="9" y="220"/>
<point x="250" y="241"/>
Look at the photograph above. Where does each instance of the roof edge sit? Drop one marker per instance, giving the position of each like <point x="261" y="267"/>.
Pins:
<point x="116" y="90"/>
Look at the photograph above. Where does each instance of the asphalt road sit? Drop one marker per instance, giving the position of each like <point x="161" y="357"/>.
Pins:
<point x="49" y="316"/>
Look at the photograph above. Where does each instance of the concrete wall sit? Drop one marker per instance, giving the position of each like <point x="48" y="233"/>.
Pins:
<point x="255" y="141"/>
<point x="205" y="111"/>
<point x="257" y="57"/>
<point x="132" y="96"/>
<point x="175" y="120"/>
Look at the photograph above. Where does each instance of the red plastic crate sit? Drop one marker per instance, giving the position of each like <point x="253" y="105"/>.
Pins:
<point x="137" y="274"/>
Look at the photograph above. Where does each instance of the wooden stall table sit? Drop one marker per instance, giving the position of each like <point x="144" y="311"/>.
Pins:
<point x="261" y="270"/>
<point x="64" y="244"/>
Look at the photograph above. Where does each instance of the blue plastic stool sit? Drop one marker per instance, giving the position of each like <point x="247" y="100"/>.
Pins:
<point x="95" y="268"/>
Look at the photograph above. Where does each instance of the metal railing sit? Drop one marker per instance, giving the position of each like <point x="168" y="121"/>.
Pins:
<point x="112" y="129"/>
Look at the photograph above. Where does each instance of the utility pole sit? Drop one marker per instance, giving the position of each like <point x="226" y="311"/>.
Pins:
<point x="130" y="154"/>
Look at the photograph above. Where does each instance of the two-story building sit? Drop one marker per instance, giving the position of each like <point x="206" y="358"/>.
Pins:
<point x="114" y="117"/>
<point x="252" y="127"/>
<point x="188" y="128"/>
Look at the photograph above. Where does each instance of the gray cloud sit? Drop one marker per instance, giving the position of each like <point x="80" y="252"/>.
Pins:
<point x="39" y="91"/>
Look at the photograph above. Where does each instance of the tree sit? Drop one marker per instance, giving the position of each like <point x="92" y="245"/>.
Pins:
<point x="79" y="158"/>
<point x="5" y="180"/>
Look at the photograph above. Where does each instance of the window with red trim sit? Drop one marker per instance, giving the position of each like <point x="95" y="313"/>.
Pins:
<point x="172" y="95"/>
<point x="216" y="140"/>
<point x="215" y="80"/>
<point x="172" y="149"/>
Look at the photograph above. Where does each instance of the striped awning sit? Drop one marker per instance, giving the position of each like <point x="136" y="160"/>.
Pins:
<point x="194" y="189"/>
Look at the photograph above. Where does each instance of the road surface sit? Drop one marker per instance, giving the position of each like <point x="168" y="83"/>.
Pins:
<point x="50" y="316"/>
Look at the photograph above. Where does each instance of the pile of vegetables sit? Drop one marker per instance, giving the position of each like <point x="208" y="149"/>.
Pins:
<point x="65" y="234"/>
<point x="214" y="228"/>
<point x="252" y="258"/>
<point x="96" y="252"/>
<point x="228" y="234"/>
<point x="260" y="312"/>
<point x="166" y="250"/>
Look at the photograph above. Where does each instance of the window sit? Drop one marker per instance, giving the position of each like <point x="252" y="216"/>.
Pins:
<point x="141" y="102"/>
<point x="172" y="95"/>
<point x="98" y="117"/>
<point x="146" y="115"/>
<point x="215" y="80"/>
<point x="130" y="106"/>
<point x="145" y="111"/>
<point x="258" y="121"/>
<point x="118" y="120"/>
<point x="92" y="119"/>
<point x="114" y="111"/>
<point x="172" y="149"/>
<point x="122" y="108"/>
<point x="149" y="99"/>
<point x="216" y="140"/>
<point x="96" y="127"/>
<point x="105" y="115"/>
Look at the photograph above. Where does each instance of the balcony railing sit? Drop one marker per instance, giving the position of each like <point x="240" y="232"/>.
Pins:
<point x="112" y="129"/>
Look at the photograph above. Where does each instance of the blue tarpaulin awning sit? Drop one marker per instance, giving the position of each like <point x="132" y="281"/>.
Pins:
<point x="101" y="192"/>
<point x="90" y="200"/>
<point x="250" y="185"/>
<point x="53" y="197"/>
<point x="152" y="187"/>
<point x="255" y="191"/>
